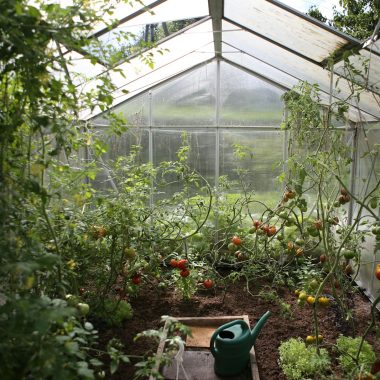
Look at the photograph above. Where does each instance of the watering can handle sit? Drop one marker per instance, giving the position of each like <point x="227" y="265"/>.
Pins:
<point x="213" y="349"/>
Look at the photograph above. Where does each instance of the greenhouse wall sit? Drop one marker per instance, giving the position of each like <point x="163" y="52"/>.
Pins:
<point x="366" y="177"/>
<point x="243" y="110"/>
<point x="222" y="108"/>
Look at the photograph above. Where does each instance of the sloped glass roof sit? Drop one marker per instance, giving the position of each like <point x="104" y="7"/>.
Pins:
<point x="371" y="75"/>
<point x="172" y="57"/>
<point x="271" y="21"/>
<point x="262" y="37"/>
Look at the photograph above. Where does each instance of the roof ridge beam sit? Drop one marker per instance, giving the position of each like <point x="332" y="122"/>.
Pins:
<point x="216" y="8"/>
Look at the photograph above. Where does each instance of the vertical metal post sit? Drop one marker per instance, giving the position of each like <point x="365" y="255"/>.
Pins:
<point x="285" y="154"/>
<point x="150" y="144"/>
<point x="354" y="154"/>
<point x="217" y="146"/>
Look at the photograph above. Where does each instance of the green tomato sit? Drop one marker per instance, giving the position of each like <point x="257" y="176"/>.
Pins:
<point x="373" y="203"/>
<point x="83" y="308"/>
<point x="313" y="284"/>
<point x="232" y="247"/>
<point x="72" y="300"/>
<point x="130" y="253"/>
<point x="313" y="231"/>
<point x="348" y="254"/>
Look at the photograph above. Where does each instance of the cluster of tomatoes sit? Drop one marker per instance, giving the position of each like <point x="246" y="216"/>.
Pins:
<point x="343" y="197"/>
<point x="233" y="246"/>
<point x="289" y="194"/>
<point x="310" y="300"/>
<point x="99" y="232"/>
<point x="263" y="229"/>
<point x="182" y="265"/>
<point x="376" y="231"/>
<point x="296" y="247"/>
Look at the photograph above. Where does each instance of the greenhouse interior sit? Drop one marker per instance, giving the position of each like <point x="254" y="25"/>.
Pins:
<point x="189" y="190"/>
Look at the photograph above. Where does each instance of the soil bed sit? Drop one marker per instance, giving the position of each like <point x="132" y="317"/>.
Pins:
<point x="152" y="303"/>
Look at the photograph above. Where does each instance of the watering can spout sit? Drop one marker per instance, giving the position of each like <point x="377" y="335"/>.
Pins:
<point x="259" y="325"/>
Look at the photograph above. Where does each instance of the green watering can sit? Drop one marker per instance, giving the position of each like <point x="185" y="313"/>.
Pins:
<point x="231" y="343"/>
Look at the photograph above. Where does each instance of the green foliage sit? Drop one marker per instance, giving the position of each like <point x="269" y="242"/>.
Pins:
<point x="348" y="349"/>
<point x="358" y="17"/>
<point x="115" y="312"/>
<point x="298" y="361"/>
<point x="115" y="351"/>
<point x="171" y="333"/>
<point x="41" y="338"/>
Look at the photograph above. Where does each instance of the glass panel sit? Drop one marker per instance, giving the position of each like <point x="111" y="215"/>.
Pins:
<point x="282" y="26"/>
<point x="167" y="142"/>
<point x="121" y="146"/>
<point x="368" y="173"/>
<point x="171" y="10"/>
<point x="187" y="100"/>
<point x="168" y="59"/>
<point x="295" y="66"/>
<point x="367" y="64"/>
<point x="257" y="66"/>
<point x="248" y="100"/>
<point x="125" y="41"/>
<point x="135" y="111"/>
<point x="81" y="69"/>
<point x="120" y="10"/>
<point x="263" y="167"/>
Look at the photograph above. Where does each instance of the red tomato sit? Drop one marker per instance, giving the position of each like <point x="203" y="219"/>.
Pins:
<point x="290" y="194"/>
<point x="173" y="263"/>
<point x="182" y="264"/>
<point x="271" y="231"/>
<point x="236" y="240"/>
<point x="318" y="224"/>
<point x="377" y="271"/>
<point x="136" y="279"/>
<point x="322" y="258"/>
<point x="184" y="273"/>
<point x="256" y="223"/>
<point x="208" y="284"/>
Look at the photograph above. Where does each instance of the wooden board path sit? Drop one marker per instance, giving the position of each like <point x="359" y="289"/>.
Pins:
<point x="197" y="359"/>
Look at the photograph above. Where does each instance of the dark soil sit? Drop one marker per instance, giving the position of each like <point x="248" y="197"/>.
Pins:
<point x="152" y="303"/>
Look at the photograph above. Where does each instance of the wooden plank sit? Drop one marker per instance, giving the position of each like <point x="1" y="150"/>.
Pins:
<point x="209" y="321"/>
<point x="201" y="336"/>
